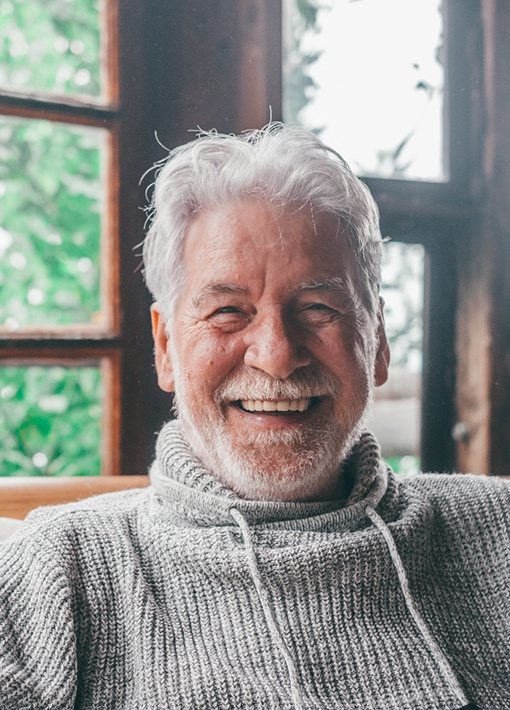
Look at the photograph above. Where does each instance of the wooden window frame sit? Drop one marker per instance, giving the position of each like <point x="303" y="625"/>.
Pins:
<point x="101" y="345"/>
<point x="464" y="225"/>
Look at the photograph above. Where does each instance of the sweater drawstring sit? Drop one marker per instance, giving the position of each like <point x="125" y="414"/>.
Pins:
<point x="378" y="522"/>
<point x="296" y="691"/>
<point x="436" y="652"/>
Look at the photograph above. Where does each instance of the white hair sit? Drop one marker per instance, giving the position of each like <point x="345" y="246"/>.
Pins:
<point x="283" y="166"/>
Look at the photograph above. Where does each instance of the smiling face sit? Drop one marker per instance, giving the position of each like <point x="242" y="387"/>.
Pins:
<point x="271" y="356"/>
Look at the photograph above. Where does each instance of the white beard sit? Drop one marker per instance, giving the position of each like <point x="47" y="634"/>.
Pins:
<point x="299" y="463"/>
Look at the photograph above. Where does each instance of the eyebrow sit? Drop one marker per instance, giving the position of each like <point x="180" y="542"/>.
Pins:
<point x="334" y="284"/>
<point x="215" y="289"/>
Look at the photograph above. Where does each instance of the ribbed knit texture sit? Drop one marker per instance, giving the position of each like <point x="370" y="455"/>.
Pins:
<point x="148" y="599"/>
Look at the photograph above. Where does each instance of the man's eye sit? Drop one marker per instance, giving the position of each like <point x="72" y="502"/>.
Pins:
<point x="228" y="318"/>
<point x="336" y="309"/>
<point x="318" y="313"/>
<point x="226" y="309"/>
<point x="226" y="314"/>
<point x="318" y="307"/>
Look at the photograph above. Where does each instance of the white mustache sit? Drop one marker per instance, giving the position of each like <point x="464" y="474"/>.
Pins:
<point x="259" y="386"/>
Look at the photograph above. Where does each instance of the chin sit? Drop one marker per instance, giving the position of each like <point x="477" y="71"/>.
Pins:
<point x="297" y="465"/>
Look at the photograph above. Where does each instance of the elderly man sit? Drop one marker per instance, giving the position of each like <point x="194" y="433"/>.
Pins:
<point x="275" y="562"/>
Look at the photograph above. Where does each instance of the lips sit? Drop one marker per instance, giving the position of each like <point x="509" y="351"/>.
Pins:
<point x="272" y="406"/>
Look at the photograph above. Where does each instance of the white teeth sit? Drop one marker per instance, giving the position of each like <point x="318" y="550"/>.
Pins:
<point x="293" y="405"/>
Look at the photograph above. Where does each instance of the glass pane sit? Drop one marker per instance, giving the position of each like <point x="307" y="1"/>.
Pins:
<point x="51" y="46"/>
<point x="396" y="413"/>
<point x="50" y="421"/>
<point x="367" y="76"/>
<point x="51" y="203"/>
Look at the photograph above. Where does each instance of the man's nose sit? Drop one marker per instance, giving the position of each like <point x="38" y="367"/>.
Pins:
<point x="274" y="347"/>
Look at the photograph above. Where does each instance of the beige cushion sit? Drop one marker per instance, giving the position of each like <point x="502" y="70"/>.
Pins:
<point x="8" y="526"/>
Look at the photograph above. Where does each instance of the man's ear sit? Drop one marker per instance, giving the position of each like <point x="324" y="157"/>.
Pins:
<point x="162" y="357"/>
<point x="382" y="358"/>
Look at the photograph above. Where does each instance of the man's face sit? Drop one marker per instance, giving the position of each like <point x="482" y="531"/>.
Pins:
<point x="271" y="357"/>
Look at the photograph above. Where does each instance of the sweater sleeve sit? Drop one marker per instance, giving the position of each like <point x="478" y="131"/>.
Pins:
<point x="38" y="666"/>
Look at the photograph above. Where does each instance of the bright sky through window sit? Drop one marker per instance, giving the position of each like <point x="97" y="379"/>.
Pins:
<point x="374" y="84"/>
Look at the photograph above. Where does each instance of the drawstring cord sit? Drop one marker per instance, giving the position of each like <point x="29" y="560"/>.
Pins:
<point x="296" y="692"/>
<point x="378" y="522"/>
<point x="441" y="659"/>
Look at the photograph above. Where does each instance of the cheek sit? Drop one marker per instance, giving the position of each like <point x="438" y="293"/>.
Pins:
<point x="207" y="363"/>
<point x="341" y="350"/>
<point x="361" y="356"/>
<point x="356" y="345"/>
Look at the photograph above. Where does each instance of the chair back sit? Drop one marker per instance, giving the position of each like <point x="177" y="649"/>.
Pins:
<point x="18" y="496"/>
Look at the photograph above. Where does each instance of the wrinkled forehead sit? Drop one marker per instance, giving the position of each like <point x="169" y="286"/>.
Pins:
<point x="251" y="225"/>
<point x="233" y="247"/>
<point x="259" y="217"/>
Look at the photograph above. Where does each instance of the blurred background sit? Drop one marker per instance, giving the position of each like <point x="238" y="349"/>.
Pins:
<point x="413" y="94"/>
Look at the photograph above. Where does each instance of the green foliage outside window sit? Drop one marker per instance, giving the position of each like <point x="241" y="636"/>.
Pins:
<point x="50" y="46"/>
<point x="404" y="464"/>
<point x="51" y="205"/>
<point x="50" y="421"/>
<point x="50" y="223"/>
<point x="298" y="84"/>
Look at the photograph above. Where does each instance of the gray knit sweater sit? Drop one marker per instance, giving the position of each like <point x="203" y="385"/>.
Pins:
<point x="185" y="596"/>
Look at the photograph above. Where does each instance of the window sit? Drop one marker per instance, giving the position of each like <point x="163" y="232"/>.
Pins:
<point x="375" y="80"/>
<point x="73" y="144"/>
<point x="396" y="416"/>
<point x="368" y="77"/>
<point x="58" y="238"/>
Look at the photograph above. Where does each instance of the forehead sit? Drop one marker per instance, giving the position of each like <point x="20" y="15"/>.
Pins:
<point x="245" y="239"/>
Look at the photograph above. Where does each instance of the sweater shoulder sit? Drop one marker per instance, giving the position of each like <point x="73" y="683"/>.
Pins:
<point x="117" y="503"/>
<point x="457" y="485"/>
<point x="454" y="496"/>
<point x="101" y="512"/>
<point x="62" y="542"/>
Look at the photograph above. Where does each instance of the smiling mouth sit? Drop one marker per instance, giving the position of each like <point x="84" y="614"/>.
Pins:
<point x="283" y="406"/>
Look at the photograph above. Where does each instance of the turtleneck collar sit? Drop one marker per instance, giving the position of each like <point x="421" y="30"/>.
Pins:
<point x="182" y="482"/>
<point x="190" y="491"/>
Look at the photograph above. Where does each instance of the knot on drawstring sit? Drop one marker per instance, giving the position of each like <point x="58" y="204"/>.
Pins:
<point x="251" y="556"/>
<point x="430" y="641"/>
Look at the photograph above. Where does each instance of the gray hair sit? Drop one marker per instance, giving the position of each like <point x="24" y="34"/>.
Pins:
<point x="282" y="165"/>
